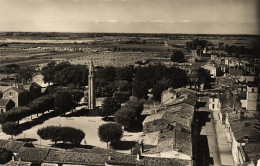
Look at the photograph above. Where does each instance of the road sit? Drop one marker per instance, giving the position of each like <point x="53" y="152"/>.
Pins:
<point x="209" y="132"/>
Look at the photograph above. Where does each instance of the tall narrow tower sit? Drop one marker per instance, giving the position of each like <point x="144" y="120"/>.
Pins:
<point x="91" y="87"/>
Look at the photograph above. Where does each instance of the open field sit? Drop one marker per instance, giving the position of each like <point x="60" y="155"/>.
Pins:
<point x="113" y="49"/>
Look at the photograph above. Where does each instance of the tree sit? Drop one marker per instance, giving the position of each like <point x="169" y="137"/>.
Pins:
<point x="5" y="155"/>
<point x="64" y="102"/>
<point x="178" y="56"/>
<point x="25" y="74"/>
<point x="140" y="90"/>
<point x="204" y="77"/>
<point x="125" y="117"/>
<point x="135" y="105"/>
<point x="157" y="91"/>
<point x="110" y="132"/>
<point x="11" y="128"/>
<point x="121" y="97"/>
<point x="48" y="72"/>
<point x="109" y="107"/>
<point x="64" y="134"/>
<point x="177" y="77"/>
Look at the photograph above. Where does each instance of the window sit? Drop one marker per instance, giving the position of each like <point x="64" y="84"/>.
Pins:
<point x="10" y="93"/>
<point x="213" y="99"/>
<point x="213" y="106"/>
<point x="253" y="90"/>
<point x="2" y="110"/>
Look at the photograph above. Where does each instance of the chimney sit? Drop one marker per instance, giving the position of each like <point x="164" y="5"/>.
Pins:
<point x="141" y="147"/>
<point x="242" y="116"/>
<point x="138" y="156"/>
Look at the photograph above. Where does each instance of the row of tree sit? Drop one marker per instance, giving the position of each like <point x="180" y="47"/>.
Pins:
<point x="64" y="134"/>
<point x="36" y="106"/>
<point x="128" y="80"/>
<point x="61" y="102"/>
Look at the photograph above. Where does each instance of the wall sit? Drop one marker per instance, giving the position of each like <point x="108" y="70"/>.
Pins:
<point x="156" y="125"/>
<point x="252" y="98"/>
<point x="13" y="96"/>
<point x="167" y="97"/>
<point x="214" y="101"/>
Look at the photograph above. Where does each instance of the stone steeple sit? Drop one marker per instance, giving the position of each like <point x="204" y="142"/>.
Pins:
<point x="91" y="87"/>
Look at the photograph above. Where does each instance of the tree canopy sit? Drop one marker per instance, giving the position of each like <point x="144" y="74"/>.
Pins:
<point x="109" y="107"/>
<point x="65" y="74"/>
<point x="64" y="134"/>
<point x="5" y="155"/>
<point x="110" y="132"/>
<point x="125" y="117"/>
<point x="11" y="128"/>
<point x="64" y="102"/>
<point x="178" y="56"/>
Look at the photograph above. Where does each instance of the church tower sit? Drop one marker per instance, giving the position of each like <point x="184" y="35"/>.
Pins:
<point x="252" y="95"/>
<point x="91" y="87"/>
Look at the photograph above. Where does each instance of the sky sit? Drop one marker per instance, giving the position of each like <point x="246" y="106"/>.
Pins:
<point x="131" y="16"/>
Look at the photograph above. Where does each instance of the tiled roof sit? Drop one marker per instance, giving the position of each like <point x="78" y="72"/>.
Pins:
<point x="3" y="142"/>
<point x="74" y="157"/>
<point x="14" y="146"/>
<point x="3" y="102"/>
<point x="185" y="98"/>
<point x="153" y="117"/>
<point x="151" y="138"/>
<point x="176" y="139"/>
<point x="246" y="127"/>
<point x="32" y="154"/>
<point x="182" y="114"/>
<point x="15" y="89"/>
<point x="183" y="142"/>
<point x="97" y="157"/>
<point x="4" y="88"/>
<point x="225" y="81"/>
<point x="95" y="150"/>
<point x="18" y="163"/>
<point x="253" y="148"/>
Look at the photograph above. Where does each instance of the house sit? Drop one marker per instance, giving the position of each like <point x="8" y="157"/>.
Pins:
<point x="213" y="69"/>
<point x="242" y="133"/>
<point x="250" y="68"/>
<point x="6" y="105"/>
<point x="18" y="96"/>
<point x="214" y="103"/>
<point x="157" y="122"/>
<point x="169" y="129"/>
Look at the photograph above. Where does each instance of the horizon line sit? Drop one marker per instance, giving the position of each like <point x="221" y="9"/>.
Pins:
<point x="132" y="33"/>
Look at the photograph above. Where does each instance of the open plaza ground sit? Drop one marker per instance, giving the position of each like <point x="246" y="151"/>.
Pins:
<point x="89" y="125"/>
